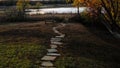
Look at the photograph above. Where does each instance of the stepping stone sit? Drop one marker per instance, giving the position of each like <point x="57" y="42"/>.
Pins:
<point x="55" y="30"/>
<point x="57" y="43"/>
<point x="61" y="36"/>
<point x="47" y="64"/>
<point x="52" y="50"/>
<point x="47" y="67"/>
<point x="53" y="54"/>
<point x="53" y="46"/>
<point x="48" y="58"/>
<point x="55" y="39"/>
<point x="63" y="24"/>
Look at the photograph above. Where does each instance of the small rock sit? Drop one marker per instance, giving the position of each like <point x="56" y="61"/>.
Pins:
<point x="52" y="50"/>
<point x="48" y="58"/>
<point x="53" y="54"/>
<point x="47" y="64"/>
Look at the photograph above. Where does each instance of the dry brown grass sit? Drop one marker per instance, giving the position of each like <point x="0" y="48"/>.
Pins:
<point x="26" y="32"/>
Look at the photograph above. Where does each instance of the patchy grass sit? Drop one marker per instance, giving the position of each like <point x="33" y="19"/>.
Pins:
<point x="23" y="44"/>
<point x="21" y="55"/>
<point x="86" y="47"/>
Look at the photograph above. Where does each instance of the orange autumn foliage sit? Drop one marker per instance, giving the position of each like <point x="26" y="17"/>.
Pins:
<point x="109" y="9"/>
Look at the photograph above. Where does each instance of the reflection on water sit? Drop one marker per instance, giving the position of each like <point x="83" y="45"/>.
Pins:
<point x="55" y="10"/>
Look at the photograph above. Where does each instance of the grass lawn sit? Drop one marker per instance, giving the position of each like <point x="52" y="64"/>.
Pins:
<point x="88" y="47"/>
<point x="21" y="55"/>
<point x="23" y="44"/>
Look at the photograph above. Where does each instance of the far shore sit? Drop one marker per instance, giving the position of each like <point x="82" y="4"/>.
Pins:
<point x="43" y="6"/>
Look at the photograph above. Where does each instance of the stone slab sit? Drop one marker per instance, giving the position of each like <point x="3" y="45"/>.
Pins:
<point x="57" y="43"/>
<point x="47" y="64"/>
<point x="53" y="54"/>
<point x="56" y="31"/>
<point x="63" y="24"/>
<point x="52" y="50"/>
<point x="47" y="67"/>
<point x="48" y="58"/>
<point x="55" y="39"/>
<point x="53" y="46"/>
<point x="61" y="36"/>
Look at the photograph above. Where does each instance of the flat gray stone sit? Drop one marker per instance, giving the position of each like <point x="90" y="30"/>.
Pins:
<point x="56" y="31"/>
<point x="47" y="67"/>
<point x="57" y="43"/>
<point x="61" y="36"/>
<point x="48" y="58"/>
<point x="47" y="64"/>
<point x="63" y="24"/>
<point x="52" y="50"/>
<point x="53" y="46"/>
<point x="55" y="39"/>
<point x="53" y="54"/>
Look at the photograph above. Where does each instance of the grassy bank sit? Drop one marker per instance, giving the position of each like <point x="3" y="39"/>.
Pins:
<point x="23" y="44"/>
<point x="88" y="47"/>
<point x="21" y="55"/>
<point x="85" y="46"/>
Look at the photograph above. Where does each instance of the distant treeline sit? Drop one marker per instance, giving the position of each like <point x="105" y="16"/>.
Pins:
<point x="9" y="3"/>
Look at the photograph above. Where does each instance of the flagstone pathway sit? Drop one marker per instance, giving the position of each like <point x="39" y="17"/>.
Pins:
<point x="52" y="54"/>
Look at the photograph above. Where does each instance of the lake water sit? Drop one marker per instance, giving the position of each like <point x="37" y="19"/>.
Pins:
<point x="54" y="10"/>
